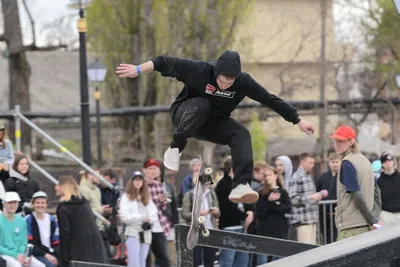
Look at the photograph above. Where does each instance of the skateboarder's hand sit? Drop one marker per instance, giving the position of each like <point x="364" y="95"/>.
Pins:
<point x="127" y="71"/>
<point x="306" y="127"/>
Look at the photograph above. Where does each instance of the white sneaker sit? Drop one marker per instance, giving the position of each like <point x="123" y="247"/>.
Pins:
<point x="243" y="194"/>
<point x="171" y="158"/>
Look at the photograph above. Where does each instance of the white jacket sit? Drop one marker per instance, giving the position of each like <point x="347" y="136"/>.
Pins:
<point x="133" y="213"/>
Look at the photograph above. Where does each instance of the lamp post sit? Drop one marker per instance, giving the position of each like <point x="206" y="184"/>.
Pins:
<point x="84" y="87"/>
<point x="97" y="73"/>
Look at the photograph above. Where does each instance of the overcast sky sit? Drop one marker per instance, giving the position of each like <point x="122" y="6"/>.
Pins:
<point x="347" y="17"/>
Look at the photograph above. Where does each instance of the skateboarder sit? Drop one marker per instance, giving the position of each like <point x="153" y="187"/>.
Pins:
<point x="202" y="110"/>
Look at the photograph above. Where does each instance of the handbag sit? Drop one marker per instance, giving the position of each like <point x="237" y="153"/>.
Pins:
<point x="111" y="230"/>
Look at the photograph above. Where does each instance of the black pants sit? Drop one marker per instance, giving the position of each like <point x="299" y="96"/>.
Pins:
<point x="194" y="118"/>
<point x="159" y="247"/>
<point x="205" y="253"/>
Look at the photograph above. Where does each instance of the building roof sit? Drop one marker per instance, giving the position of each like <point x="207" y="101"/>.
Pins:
<point x="278" y="146"/>
<point x="54" y="83"/>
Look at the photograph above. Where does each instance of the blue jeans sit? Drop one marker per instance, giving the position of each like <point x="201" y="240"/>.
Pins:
<point x="233" y="258"/>
<point x="263" y="259"/>
<point x="45" y="261"/>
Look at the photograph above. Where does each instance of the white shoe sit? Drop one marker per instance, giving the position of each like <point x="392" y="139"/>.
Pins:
<point x="243" y="194"/>
<point x="171" y="158"/>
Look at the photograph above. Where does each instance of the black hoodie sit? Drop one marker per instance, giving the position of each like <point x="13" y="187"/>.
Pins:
<point x="199" y="78"/>
<point x="231" y="213"/>
<point x="390" y="187"/>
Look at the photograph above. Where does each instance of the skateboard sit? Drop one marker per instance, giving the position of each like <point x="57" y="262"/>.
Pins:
<point x="197" y="222"/>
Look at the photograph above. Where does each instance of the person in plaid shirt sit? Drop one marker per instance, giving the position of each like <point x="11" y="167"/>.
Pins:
<point x="304" y="200"/>
<point x="161" y="228"/>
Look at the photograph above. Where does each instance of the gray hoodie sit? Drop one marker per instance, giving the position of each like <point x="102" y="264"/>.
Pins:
<point x="288" y="170"/>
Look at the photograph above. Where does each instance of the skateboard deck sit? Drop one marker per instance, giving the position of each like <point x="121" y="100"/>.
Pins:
<point x="197" y="222"/>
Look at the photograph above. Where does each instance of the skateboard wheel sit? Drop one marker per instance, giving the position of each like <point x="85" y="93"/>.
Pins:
<point x="205" y="233"/>
<point x="208" y="171"/>
<point x="201" y="219"/>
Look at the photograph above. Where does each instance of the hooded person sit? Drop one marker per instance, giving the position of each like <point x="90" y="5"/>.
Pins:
<point x="202" y="110"/>
<point x="377" y="167"/>
<point x="285" y="168"/>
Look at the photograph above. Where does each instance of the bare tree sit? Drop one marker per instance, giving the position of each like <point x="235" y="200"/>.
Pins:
<point x="18" y="66"/>
<point x="129" y="32"/>
<point x="60" y="33"/>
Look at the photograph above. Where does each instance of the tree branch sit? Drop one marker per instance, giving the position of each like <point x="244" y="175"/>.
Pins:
<point x="32" y="23"/>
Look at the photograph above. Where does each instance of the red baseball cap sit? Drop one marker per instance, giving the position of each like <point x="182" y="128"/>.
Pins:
<point x="344" y="133"/>
<point x="151" y="162"/>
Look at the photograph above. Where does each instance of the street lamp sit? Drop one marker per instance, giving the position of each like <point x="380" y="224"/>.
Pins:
<point x="397" y="4"/>
<point x="97" y="73"/>
<point x="84" y="87"/>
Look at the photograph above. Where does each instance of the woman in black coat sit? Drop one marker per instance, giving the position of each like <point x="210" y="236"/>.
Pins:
<point x="270" y="209"/>
<point x="20" y="181"/>
<point x="80" y="239"/>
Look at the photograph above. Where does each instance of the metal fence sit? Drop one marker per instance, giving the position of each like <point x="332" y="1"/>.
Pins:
<point x="20" y="117"/>
<point x="326" y="230"/>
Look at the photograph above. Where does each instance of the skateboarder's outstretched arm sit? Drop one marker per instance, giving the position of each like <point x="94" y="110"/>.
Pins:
<point x="183" y="70"/>
<point x="258" y="93"/>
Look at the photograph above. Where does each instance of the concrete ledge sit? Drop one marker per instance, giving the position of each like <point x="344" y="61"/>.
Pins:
<point x="366" y="250"/>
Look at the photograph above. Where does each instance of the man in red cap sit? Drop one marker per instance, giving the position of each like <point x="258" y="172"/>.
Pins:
<point x="355" y="185"/>
<point x="162" y="227"/>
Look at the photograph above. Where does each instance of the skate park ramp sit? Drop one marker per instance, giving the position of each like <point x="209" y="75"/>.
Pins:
<point x="373" y="249"/>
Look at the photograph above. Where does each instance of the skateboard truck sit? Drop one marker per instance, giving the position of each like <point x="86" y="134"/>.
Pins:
<point x="206" y="177"/>
<point x="204" y="231"/>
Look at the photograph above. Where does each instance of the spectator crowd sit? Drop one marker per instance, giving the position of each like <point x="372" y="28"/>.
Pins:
<point x="292" y="205"/>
